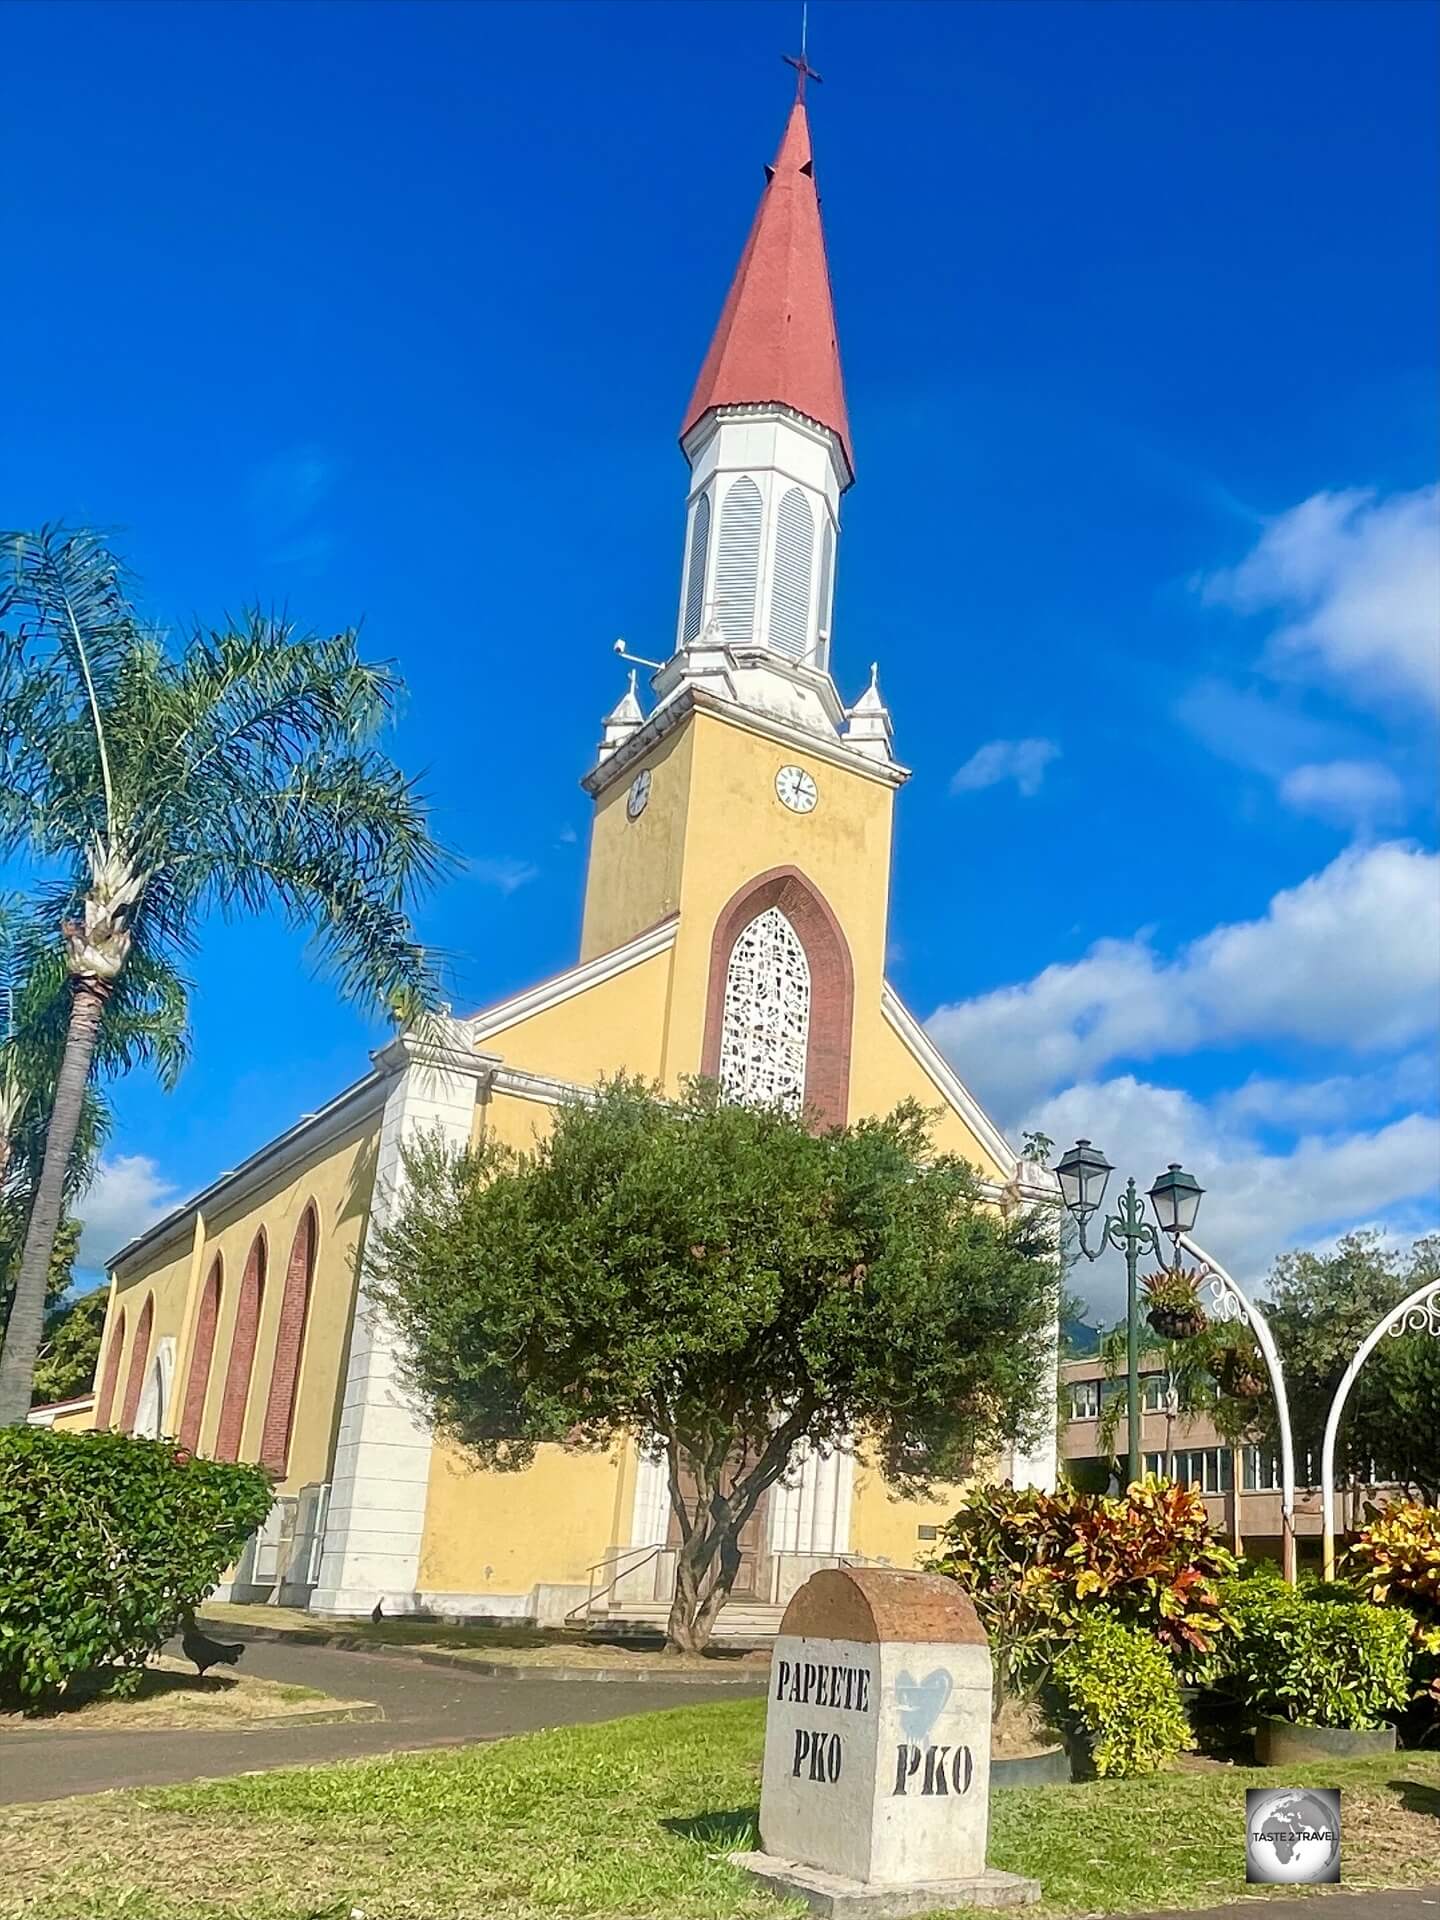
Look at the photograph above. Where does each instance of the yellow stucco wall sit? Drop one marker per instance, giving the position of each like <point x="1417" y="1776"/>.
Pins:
<point x="884" y="1525"/>
<point x="504" y="1533"/>
<point x="883" y="1072"/>
<point x="338" y="1178"/>
<point x="617" y="1023"/>
<point x="636" y="865"/>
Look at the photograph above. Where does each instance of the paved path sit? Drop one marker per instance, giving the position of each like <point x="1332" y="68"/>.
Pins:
<point x="424" y="1706"/>
<point x="1419" y="1903"/>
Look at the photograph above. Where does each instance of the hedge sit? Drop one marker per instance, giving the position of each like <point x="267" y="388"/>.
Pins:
<point x="106" y="1542"/>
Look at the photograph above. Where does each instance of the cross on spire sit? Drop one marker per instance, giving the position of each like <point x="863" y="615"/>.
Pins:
<point x="803" y="72"/>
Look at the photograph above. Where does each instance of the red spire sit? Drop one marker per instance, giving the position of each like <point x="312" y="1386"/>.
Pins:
<point x="776" y="337"/>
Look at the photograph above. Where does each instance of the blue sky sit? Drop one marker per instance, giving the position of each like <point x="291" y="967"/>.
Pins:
<point x="390" y="312"/>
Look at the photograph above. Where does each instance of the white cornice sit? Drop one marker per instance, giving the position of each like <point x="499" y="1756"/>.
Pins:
<point x="590" y="973"/>
<point x="541" y="1087"/>
<point x="949" y="1082"/>
<point x="668" y="716"/>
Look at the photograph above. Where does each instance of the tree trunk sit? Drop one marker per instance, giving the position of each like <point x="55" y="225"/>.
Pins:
<point x="27" y="1309"/>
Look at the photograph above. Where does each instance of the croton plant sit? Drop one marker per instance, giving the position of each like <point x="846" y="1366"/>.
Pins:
<point x="1036" y="1563"/>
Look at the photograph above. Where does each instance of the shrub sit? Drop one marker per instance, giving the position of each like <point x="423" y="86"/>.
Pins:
<point x="1320" y="1663"/>
<point x="1397" y="1552"/>
<point x="105" y="1543"/>
<point x="1118" y="1688"/>
<point x="1037" y="1564"/>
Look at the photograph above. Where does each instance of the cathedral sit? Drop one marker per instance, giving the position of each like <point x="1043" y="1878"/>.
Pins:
<point x="734" y="925"/>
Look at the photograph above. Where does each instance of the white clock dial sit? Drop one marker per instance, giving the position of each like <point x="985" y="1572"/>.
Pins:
<point x="639" y="794"/>
<point x="797" y="790"/>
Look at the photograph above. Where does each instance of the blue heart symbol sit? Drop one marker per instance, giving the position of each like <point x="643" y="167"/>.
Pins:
<point x="921" y="1702"/>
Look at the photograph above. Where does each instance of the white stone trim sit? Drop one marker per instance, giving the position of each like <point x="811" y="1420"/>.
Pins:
<point x="943" y="1074"/>
<point x="381" y="1472"/>
<point x="810" y="1507"/>
<point x="553" y="993"/>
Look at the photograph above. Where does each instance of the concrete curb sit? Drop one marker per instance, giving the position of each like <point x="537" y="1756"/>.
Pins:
<point x="754" y="1680"/>
<point x="360" y="1711"/>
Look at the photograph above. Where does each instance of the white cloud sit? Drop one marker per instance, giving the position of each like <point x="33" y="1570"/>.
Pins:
<point x="128" y="1194"/>
<point x="1349" y="958"/>
<point x="1341" y="1099"/>
<point x="504" y="874"/>
<point x="1355" y="580"/>
<point x="1258" y="1200"/>
<point x="1023" y="761"/>
<point x="1349" y="793"/>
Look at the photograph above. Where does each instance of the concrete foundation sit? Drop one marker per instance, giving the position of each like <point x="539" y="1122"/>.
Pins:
<point x="840" y="1898"/>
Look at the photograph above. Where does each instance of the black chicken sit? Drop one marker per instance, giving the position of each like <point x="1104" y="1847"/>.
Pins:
<point x="206" y="1652"/>
<point x="377" y="1612"/>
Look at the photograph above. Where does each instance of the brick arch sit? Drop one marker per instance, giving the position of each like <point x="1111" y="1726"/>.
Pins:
<point x="832" y="983"/>
<point x="197" y="1383"/>
<point x="242" y="1352"/>
<point x="289" y="1342"/>
<point x="111" y="1373"/>
<point x="139" y="1355"/>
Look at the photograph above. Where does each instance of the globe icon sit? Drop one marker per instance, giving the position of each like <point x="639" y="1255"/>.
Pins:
<point x="1294" y="1837"/>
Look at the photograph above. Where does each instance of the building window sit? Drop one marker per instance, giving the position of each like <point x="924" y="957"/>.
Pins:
<point x="135" y="1379"/>
<point x="289" y="1340"/>
<point x="1084" y="1399"/>
<point x="695" y="571"/>
<point x="233" y="1402"/>
<point x="766" y="1023"/>
<point x="737" y="565"/>
<point x="1152" y="1392"/>
<point x="1261" y="1472"/>
<point x="790" y="585"/>
<point x="1154" y="1463"/>
<point x="1208" y="1468"/>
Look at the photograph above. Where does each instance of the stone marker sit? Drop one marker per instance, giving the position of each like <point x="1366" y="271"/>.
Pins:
<point x="875" y="1800"/>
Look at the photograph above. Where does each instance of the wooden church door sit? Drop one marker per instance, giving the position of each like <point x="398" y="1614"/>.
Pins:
<point x="752" y="1581"/>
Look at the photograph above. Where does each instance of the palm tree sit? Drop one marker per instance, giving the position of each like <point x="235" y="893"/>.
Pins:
<point x="241" y="775"/>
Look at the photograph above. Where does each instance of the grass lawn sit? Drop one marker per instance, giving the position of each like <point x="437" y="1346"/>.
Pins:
<point x="507" y="1646"/>
<point x="627" y="1821"/>
<point x="172" y="1695"/>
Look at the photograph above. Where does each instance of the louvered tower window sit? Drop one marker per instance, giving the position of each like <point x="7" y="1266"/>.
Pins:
<point x="766" y="1026"/>
<point x="827" y="594"/>
<point x="737" y="566"/>
<point x="695" y="569"/>
<point x="790" y="595"/>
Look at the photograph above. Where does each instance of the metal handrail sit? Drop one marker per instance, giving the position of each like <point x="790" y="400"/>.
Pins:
<point x="621" y="1573"/>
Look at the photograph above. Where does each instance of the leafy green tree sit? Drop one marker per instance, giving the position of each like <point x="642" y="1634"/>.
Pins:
<point x="730" y="1283"/>
<point x="241" y="775"/>
<point x="1320" y="1308"/>
<point x="71" y="1346"/>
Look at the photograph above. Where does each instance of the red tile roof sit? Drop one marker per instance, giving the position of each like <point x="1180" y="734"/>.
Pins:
<point x="776" y="338"/>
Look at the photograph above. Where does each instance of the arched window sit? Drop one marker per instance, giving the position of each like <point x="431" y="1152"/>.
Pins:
<point x="112" y="1371"/>
<point x="242" y="1353"/>
<point x="289" y="1340"/>
<point x="139" y="1354"/>
<point x="765" y="1030"/>
<point x="155" y="1400"/>
<point x="201" y="1355"/>
<point x="695" y="569"/>
<point x="737" y="566"/>
<point x="790" y="589"/>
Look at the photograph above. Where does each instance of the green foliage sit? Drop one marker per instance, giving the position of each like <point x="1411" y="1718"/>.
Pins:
<point x="1038" y="1564"/>
<point x="1320" y="1663"/>
<point x="1320" y="1308"/>
<point x="66" y="1362"/>
<point x="1397" y="1553"/>
<point x="729" y="1279"/>
<point x="12" y="1238"/>
<point x="108" y="1542"/>
<point x="1117" y="1687"/>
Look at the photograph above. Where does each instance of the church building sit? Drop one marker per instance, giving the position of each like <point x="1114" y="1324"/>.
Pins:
<point x="734" y="925"/>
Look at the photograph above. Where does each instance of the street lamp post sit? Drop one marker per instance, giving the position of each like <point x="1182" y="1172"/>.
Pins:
<point x="1084" y="1173"/>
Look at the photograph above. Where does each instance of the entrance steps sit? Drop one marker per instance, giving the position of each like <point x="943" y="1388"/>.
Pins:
<point x="742" y="1622"/>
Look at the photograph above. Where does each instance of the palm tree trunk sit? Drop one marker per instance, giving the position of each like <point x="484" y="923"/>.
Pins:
<point x="27" y="1309"/>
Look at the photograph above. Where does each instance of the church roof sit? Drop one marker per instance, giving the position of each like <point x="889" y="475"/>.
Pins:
<point x="776" y="338"/>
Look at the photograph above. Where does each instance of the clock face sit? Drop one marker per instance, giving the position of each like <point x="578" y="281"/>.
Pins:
<point x="796" y="789"/>
<point x="639" y="794"/>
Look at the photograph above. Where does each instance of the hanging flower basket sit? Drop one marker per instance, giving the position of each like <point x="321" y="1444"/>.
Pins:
<point x="1173" y="1303"/>
<point x="1238" y="1371"/>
